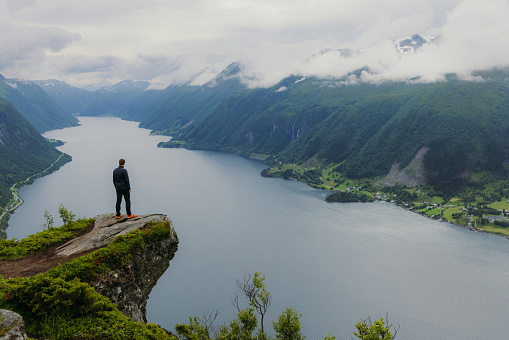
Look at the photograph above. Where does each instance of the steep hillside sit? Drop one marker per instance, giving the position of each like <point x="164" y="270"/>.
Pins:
<point x="23" y="151"/>
<point x="114" y="100"/>
<point x="72" y="99"/>
<point x="368" y="128"/>
<point x="35" y="105"/>
<point x="180" y="106"/>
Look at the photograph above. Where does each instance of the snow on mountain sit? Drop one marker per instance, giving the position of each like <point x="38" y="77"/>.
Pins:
<point x="410" y="44"/>
<point x="404" y="44"/>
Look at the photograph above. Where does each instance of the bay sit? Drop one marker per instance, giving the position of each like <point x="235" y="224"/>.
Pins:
<point x="335" y="263"/>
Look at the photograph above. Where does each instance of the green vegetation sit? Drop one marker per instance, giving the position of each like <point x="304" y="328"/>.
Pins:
<point x="55" y="142"/>
<point x="364" y="129"/>
<point x="287" y="326"/>
<point x="35" y="105"/>
<point x="379" y="329"/>
<point x="61" y="304"/>
<point x="13" y="249"/>
<point x="178" y="107"/>
<point x="480" y="204"/>
<point x="25" y="155"/>
<point x="66" y="215"/>
<point x="349" y="196"/>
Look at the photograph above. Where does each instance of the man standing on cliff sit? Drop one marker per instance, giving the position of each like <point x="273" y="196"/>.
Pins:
<point x="123" y="188"/>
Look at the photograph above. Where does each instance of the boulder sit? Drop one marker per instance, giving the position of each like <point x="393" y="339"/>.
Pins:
<point x="12" y="326"/>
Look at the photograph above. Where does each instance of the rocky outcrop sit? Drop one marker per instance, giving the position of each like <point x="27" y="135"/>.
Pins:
<point x="129" y="286"/>
<point x="414" y="174"/>
<point x="106" y="228"/>
<point x="12" y="326"/>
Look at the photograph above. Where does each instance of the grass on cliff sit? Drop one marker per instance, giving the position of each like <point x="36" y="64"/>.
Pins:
<point x="61" y="304"/>
<point x="13" y="249"/>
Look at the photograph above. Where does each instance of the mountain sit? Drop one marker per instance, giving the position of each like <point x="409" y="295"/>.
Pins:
<point x="113" y="100"/>
<point x="23" y="151"/>
<point x="72" y="99"/>
<point x="180" y="106"/>
<point x="459" y="126"/>
<point x="35" y="105"/>
<point x="411" y="43"/>
<point x="404" y="45"/>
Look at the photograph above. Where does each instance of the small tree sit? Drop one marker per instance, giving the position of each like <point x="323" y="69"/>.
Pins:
<point x="194" y="331"/>
<point x="379" y="329"/>
<point x="49" y="220"/>
<point x="259" y="298"/>
<point x="287" y="326"/>
<point x="67" y="216"/>
<point x="241" y="328"/>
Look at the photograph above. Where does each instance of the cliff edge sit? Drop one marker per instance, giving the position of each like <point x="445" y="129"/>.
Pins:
<point x="128" y="286"/>
<point x="119" y="259"/>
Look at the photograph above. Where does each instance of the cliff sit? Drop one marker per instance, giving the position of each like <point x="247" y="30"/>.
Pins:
<point x="67" y="281"/>
<point x="127" y="286"/>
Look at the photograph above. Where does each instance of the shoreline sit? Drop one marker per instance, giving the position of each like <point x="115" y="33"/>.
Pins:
<point x="402" y="207"/>
<point x="248" y="156"/>
<point x="9" y="209"/>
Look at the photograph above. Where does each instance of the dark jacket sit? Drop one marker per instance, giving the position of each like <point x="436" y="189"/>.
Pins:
<point x="121" y="179"/>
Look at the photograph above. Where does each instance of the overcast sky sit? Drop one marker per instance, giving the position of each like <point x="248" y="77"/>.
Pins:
<point x="173" y="41"/>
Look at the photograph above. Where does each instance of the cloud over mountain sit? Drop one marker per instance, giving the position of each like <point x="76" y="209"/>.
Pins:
<point x="175" y="41"/>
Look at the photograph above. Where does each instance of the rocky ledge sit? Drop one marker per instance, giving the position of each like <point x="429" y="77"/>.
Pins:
<point x="130" y="286"/>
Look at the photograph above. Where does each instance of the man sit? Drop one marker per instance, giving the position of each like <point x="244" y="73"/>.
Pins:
<point x="123" y="187"/>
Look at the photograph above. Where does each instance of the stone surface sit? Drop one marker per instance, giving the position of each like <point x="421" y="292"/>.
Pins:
<point x="106" y="228"/>
<point x="128" y="287"/>
<point x="12" y="326"/>
<point x="414" y="174"/>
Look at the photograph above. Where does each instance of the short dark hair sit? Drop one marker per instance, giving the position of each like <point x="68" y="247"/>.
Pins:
<point x="121" y="161"/>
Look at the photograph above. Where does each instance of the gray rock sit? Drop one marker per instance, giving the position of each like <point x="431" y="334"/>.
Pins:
<point x="129" y="286"/>
<point x="106" y="228"/>
<point x="12" y="326"/>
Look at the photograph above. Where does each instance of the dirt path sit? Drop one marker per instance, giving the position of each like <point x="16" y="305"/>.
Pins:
<point x="39" y="262"/>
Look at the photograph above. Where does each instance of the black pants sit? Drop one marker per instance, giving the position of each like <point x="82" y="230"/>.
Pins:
<point x="127" y="198"/>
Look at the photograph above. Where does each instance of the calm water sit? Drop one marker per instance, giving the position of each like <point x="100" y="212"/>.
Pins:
<point x="335" y="263"/>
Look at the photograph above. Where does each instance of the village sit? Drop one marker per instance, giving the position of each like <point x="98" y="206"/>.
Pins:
<point x="475" y="210"/>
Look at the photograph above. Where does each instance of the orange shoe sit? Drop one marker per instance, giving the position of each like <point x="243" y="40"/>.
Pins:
<point x="131" y="216"/>
<point x="119" y="216"/>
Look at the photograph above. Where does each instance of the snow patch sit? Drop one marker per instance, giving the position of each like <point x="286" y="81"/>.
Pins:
<point x="13" y="85"/>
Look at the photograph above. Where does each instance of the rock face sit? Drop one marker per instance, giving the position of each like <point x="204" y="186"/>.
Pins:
<point x="128" y="287"/>
<point x="106" y="228"/>
<point x="412" y="175"/>
<point x="12" y="326"/>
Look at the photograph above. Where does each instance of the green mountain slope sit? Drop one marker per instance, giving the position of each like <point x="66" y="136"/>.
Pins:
<point x="35" y="105"/>
<point x="184" y="105"/>
<point x="23" y="151"/>
<point x="71" y="99"/>
<point x="368" y="128"/>
<point x="114" y="100"/>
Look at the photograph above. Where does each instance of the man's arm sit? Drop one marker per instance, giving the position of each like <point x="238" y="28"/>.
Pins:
<point x="126" y="179"/>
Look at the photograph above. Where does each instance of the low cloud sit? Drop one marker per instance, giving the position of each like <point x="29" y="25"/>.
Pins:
<point x="192" y="41"/>
<point x="473" y="38"/>
<point x="23" y="46"/>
